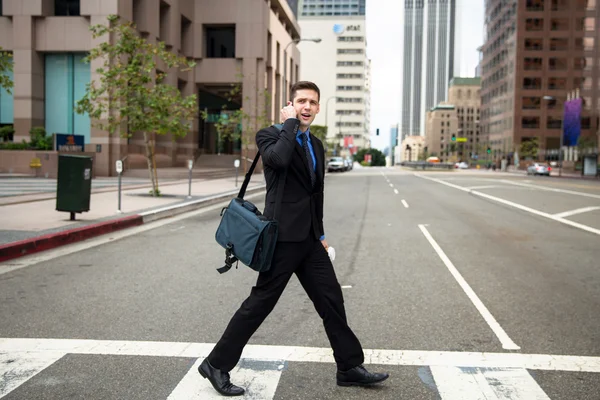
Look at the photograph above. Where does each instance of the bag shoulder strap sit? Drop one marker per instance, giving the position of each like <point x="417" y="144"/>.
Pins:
<point x="280" y="185"/>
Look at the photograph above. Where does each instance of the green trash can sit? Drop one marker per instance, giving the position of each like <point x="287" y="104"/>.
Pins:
<point x="74" y="186"/>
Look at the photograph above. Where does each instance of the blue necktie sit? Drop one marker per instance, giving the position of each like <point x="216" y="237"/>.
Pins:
<point x="311" y="168"/>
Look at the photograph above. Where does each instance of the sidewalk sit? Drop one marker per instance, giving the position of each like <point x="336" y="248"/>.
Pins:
<point x="33" y="224"/>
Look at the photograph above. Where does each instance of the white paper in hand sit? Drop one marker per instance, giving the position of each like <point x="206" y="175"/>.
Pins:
<point x="331" y="252"/>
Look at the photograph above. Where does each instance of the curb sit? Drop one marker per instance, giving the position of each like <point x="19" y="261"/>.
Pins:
<point x="29" y="246"/>
<point x="25" y="247"/>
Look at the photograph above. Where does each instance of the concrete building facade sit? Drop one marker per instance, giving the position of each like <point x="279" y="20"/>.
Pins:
<point x="230" y="40"/>
<point x="465" y="95"/>
<point x="340" y="67"/>
<point x="441" y="123"/>
<point x="536" y="53"/>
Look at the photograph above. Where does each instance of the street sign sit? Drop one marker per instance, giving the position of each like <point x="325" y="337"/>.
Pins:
<point x="236" y="163"/>
<point x="119" y="166"/>
<point x="461" y="139"/>
<point x="190" y="164"/>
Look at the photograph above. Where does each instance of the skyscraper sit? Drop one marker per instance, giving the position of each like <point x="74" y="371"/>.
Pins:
<point x="428" y="59"/>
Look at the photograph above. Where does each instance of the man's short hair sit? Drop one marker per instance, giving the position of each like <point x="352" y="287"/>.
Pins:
<point x="304" y="85"/>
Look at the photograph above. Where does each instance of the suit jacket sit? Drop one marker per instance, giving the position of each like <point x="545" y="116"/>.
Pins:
<point x="301" y="212"/>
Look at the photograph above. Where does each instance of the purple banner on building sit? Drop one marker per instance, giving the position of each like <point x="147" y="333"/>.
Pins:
<point x="572" y="122"/>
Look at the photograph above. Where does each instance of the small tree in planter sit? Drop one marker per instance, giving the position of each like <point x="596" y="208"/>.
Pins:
<point x="131" y="93"/>
<point x="7" y="132"/>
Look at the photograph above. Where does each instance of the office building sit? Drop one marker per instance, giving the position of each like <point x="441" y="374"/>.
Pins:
<point x="339" y="65"/>
<point x="230" y="41"/>
<point x="536" y="53"/>
<point x="428" y="61"/>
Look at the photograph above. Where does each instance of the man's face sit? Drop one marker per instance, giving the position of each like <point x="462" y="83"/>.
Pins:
<point x="306" y="104"/>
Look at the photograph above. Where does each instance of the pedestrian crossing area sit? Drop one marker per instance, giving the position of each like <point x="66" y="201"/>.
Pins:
<point x="22" y="186"/>
<point x="105" y="369"/>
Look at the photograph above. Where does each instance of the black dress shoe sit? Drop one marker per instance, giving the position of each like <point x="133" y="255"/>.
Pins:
<point x="219" y="380"/>
<point x="359" y="376"/>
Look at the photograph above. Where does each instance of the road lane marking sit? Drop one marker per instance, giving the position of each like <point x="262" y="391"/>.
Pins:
<point x="506" y="341"/>
<point x="37" y="258"/>
<point x="486" y="383"/>
<point x="549" y="189"/>
<point x="396" y="191"/>
<point x="482" y="187"/>
<point x="545" y="362"/>
<point x="576" y="211"/>
<point x="391" y="185"/>
<point x="259" y="378"/>
<point x="516" y="205"/>
<point x="404" y="203"/>
<point x="18" y="368"/>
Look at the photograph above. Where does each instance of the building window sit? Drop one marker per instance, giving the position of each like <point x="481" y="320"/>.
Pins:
<point x="350" y="63"/>
<point x="66" y="77"/>
<point x="349" y="112"/>
<point x="220" y="41"/>
<point x="7" y="102"/>
<point x="68" y="8"/>
<point x="531" y="103"/>
<point x="349" y="88"/>
<point x="350" y="51"/>
<point x="186" y="36"/>
<point x="534" y="44"/>
<point x="586" y="123"/>
<point x="535" y="5"/>
<point x="530" y="122"/>
<point x="553" y="123"/>
<point x="560" y="5"/>
<point x="559" y="24"/>
<point x="350" y="76"/>
<point x="164" y="17"/>
<point x="557" y="83"/>
<point x="534" y="24"/>
<point x="533" y="64"/>
<point x="557" y="64"/>
<point x="559" y="44"/>
<point x="588" y="44"/>
<point x="579" y="63"/>
<point x="351" y="39"/>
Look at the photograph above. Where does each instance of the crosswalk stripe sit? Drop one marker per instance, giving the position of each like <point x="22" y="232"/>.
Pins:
<point x="454" y="383"/>
<point x="547" y="362"/>
<point x="18" y="368"/>
<point x="259" y="378"/>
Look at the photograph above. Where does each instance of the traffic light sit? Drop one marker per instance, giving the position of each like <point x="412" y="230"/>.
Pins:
<point x="489" y="150"/>
<point x="377" y="134"/>
<point x="454" y="137"/>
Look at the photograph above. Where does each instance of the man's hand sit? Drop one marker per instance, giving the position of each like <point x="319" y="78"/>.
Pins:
<point x="288" y="112"/>
<point x="324" y="243"/>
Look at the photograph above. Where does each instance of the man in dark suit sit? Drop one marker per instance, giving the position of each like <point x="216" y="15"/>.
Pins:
<point x="301" y="249"/>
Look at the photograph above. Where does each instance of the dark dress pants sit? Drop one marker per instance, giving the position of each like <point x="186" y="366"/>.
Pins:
<point x="310" y="262"/>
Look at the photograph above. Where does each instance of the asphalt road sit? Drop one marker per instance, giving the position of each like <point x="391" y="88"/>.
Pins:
<point x="461" y="285"/>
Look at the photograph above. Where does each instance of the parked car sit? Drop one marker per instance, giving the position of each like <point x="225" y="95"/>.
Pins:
<point x="336" y="164"/>
<point x="461" y="165"/>
<point x="539" y="169"/>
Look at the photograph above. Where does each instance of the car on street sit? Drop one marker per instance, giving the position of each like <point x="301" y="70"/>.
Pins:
<point x="539" y="169"/>
<point x="461" y="165"/>
<point x="336" y="164"/>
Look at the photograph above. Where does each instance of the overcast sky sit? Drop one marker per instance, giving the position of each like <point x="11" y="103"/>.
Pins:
<point x="384" y="47"/>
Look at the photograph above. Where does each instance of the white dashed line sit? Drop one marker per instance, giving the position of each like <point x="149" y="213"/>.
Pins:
<point x="404" y="203"/>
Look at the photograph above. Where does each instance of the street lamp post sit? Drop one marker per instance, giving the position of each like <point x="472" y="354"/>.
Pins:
<point x="295" y="41"/>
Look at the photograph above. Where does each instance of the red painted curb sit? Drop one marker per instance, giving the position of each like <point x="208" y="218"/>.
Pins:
<point x="29" y="246"/>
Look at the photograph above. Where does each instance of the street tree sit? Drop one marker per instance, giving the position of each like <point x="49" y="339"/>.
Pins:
<point x="130" y="95"/>
<point x="529" y="148"/>
<point x="6" y="66"/>
<point x="377" y="157"/>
